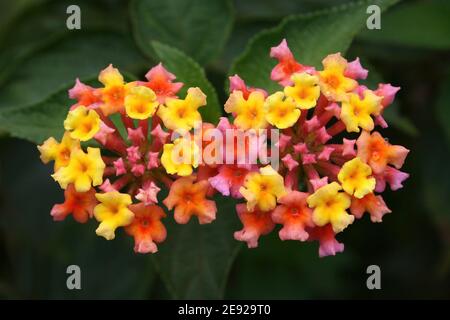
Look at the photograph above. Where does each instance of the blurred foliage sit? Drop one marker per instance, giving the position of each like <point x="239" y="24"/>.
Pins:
<point x="198" y="27"/>
<point x="203" y="42"/>
<point x="422" y="24"/>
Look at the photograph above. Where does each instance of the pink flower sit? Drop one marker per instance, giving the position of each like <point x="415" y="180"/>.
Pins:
<point x="295" y="215"/>
<point x="148" y="193"/>
<point x="289" y="162"/>
<point x="135" y="136"/>
<point x="388" y="92"/>
<point x="328" y="245"/>
<point x="103" y="133"/>
<point x="355" y="70"/>
<point x="237" y="84"/>
<point x="119" y="165"/>
<point x="229" y="179"/>
<point x="153" y="160"/>
<point x="133" y="153"/>
<point x="393" y="177"/>
<point x="287" y="65"/>
<point x="256" y="224"/>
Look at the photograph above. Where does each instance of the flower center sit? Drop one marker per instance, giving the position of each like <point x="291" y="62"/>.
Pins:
<point x="333" y="81"/>
<point x="181" y="112"/>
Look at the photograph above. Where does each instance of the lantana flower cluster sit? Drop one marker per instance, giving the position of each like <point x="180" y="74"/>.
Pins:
<point x="123" y="143"/>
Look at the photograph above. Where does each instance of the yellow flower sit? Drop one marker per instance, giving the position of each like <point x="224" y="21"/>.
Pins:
<point x="179" y="114"/>
<point x="82" y="123"/>
<point x="59" y="152"/>
<point x="333" y="83"/>
<point x="180" y="157"/>
<point x="330" y="206"/>
<point x="281" y="113"/>
<point x="263" y="189"/>
<point x="114" y="91"/>
<point x="355" y="177"/>
<point x="305" y="91"/>
<point x="140" y="103"/>
<point x="112" y="212"/>
<point x="250" y="113"/>
<point x="357" y="113"/>
<point x="83" y="170"/>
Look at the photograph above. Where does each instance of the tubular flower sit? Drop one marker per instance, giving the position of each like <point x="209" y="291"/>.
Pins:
<point x="287" y="65"/>
<point x="356" y="112"/>
<point x="282" y="113"/>
<point x="372" y="204"/>
<point x="293" y="213"/>
<point x="262" y="189"/>
<point x="378" y="153"/>
<point x="84" y="170"/>
<point x="256" y="223"/>
<point x="229" y="180"/>
<point x="140" y="103"/>
<point x="285" y="155"/>
<point x="160" y="81"/>
<point x="250" y="113"/>
<point x="112" y="212"/>
<point x="355" y="177"/>
<point x="180" y="157"/>
<point x="51" y="150"/>
<point x="146" y="227"/>
<point x="79" y="204"/>
<point x="125" y="174"/>
<point x="84" y="94"/>
<point x="178" y="114"/>
<point x="305" y="90"/>
<point x="114" y="91"/>
<point x="189" y="199"/>
<point x="330" y="206"/>
<point x="82" y="123"/>
<point x="328" y="245"/>
<point x="237" y="84"/>
<point x="333" y="82"/>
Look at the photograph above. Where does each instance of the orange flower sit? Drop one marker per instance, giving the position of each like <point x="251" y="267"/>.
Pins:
<point x="80" y="204"/>
<point x="189" y="199"/>
<point x="146" y="227"/>
<point x="256" y="223"/>
<point x="160" y="81"/>
<point x="294" y="215"/>
<point x="287" y="65"/>
<point x="372" y="204"/>
<point x="378" y="153"/>
<point x="114" y="92"/>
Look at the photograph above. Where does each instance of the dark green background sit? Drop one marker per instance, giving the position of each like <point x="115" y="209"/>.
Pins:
<point x="38" y="56"/>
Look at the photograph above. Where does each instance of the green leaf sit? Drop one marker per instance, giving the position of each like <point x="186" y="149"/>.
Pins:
<point x="257" y="10"/>
<point x="195" y="260"/>
<point x="34" y="26"/>
<point x="56" y="67"/>
<point x="198" y="27"/>
<point x="423" y="24"/>
<point x="311" y="38"/>
<point x="11" y="10"/>
<point x="189" y="72"/>
<point x="37" y="122"/>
